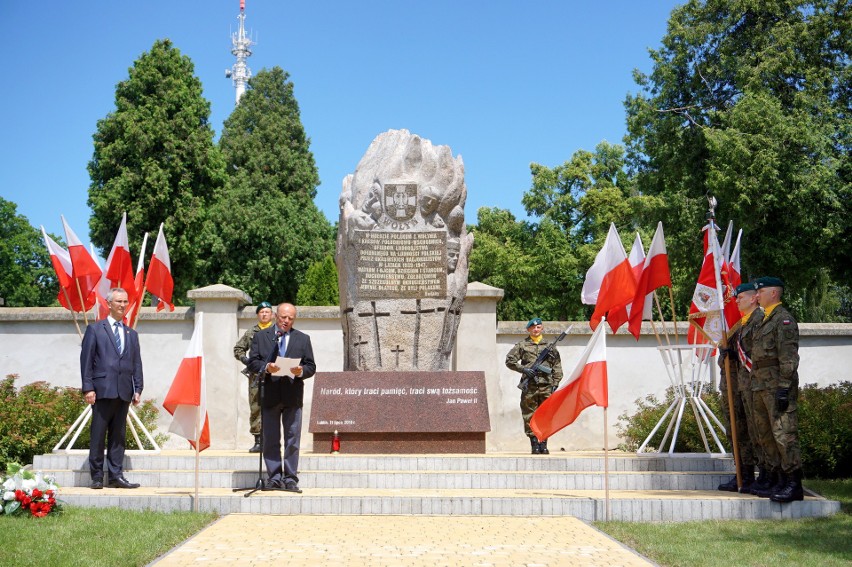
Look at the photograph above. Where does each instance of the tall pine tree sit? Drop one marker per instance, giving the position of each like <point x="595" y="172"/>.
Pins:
<point x="155" y="158"/>
<point x="265" y="231"/>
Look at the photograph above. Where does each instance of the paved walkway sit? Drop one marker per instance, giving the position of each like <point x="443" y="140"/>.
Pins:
<point x="410" y="541"/>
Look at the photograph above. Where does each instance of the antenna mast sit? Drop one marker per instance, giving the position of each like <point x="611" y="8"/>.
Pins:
<point x="240" y="72"/>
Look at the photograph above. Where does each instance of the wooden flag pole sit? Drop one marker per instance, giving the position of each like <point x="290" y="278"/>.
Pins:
<point x="197" y="459"/>
<point x="73" y="313"/>
<point x="674" y="316"/>
<point x="82" y="302"/>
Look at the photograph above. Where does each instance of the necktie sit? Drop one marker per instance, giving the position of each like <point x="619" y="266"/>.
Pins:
<point x="282" y="346"/>
<point x="118" y="336"/>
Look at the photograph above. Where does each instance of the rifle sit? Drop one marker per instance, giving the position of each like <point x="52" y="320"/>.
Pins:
<point x="538" y="365"/>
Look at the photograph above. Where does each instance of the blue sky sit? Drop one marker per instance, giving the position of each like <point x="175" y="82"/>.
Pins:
<point x="503" y="83"/>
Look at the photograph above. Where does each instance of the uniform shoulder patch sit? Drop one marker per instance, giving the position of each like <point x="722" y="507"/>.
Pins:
<point x="786" y="322"/>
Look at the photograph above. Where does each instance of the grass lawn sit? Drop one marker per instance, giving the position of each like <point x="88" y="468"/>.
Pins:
<point x="94" y="537"/>
<point x="809" y="542"/>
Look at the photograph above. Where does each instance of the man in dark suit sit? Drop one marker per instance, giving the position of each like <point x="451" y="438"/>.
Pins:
<point x="282" y="396"/>
<point x="111" y="368"/>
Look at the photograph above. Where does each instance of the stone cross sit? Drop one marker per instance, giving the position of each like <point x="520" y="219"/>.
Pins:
<point x="414" y="346"/>
<point x="377" y="345"/>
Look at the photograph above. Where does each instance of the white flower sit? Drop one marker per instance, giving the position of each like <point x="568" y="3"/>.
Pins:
<point x="9" y="495"/>
<point x="28" y="484"/>
<point x="9" y="484"/>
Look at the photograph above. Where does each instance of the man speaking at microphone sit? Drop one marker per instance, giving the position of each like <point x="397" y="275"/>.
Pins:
<point x="281" y="405"/>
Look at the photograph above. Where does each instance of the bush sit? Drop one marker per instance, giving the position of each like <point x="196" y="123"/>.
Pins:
<point x="825" y="427"/>
<point x="36" y="416"/>
<point x="635" y="428"/>
<point x="825" y="430"/>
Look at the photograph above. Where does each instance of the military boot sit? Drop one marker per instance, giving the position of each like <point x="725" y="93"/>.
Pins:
<point x="542" y="448"/>
<point x="748" y="479"/>
<point x="763" y="481"/>
<point x="256" y="447"/>
<point x="536" y="448"/>
<point x="730" y="486"/>
<point x="792" y="490"/>
<point x="766" y="491"/>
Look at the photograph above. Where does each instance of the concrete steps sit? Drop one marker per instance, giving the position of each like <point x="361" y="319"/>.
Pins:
<point x="642" y="488"/>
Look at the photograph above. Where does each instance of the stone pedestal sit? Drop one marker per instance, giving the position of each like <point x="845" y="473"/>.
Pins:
<point x="225" y="385"/>
<point x="400" y="412"/>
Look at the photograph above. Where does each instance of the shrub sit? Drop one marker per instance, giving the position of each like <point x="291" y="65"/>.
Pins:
<point x="36" y="416"/>
<point x="636" y="428"/>
<point x="825" y="427"/>
<point x="825" y="430"/>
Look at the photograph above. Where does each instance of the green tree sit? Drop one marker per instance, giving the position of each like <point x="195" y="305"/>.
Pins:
<point x="320" y="287"/>
<point x="264" y="232"/>
<point x="27" y="278"/>
<point x="541" y="264"/>
<point x="749" y="101"/>
<point x="155" y="158"/>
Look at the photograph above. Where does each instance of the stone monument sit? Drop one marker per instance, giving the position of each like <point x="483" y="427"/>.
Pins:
<point x="402" y="255"/>
<point x="402" y="262"/>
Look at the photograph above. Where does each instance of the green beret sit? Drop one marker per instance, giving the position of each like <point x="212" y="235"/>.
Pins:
<point x="533" y="321"/>
<point x="263" y="305"/>
<point x="745" y="287"/>
<point x="768" y="281"/>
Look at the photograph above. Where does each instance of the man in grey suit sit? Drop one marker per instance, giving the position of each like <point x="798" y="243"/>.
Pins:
<point x="111" y="368"/>
<point x="282" y="396"/>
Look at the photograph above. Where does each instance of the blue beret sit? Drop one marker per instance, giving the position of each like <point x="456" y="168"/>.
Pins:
<point x="768" y="281"/>
<point x="745" y="287"/>
<point x="263" y="305"/>
<point x="533" y="321"/>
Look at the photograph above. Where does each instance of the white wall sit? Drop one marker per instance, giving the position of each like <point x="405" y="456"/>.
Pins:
<point x="42" y="344"/>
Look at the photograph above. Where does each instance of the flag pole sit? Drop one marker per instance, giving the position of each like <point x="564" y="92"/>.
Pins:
<point x="71" y="309"/>
<point x="197" y="458"/>
<point x="714" y="244"/>
<point x="82" y="302"/>
<point x="674" y="316"/>
<point x="606" y="466"/>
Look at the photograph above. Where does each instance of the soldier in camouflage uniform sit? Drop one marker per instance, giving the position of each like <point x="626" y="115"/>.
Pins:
<point x="541" y="385"/>
<point x="738" y="355"/>
<point x="775" y="356"/>
<point x="241" y="350"/>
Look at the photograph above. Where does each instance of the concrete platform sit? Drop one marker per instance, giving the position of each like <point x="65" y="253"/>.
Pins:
<point x="642" y="488"/>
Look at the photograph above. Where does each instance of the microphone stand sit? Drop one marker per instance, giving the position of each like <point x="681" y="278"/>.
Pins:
<point x="261" y="381"/>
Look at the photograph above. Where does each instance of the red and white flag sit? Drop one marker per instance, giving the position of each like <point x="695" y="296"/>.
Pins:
<point x="187" y="396"/>
<point x="159" y="281"/>
<point x="86" y="272"/>
<point x="61" y="261"/>
<point x="101" y="292"/>
<point x="713" y="307"/>
<point x="119" y="265"/>
<point x="586" y="386"/>
<point x="734" y="271"/>
<point x="618" y="317"/>
<point x="609" y="282"/>
<point x="138" y="286"/>
<point x="655" y="274"/>
<point x="726" y="244"/>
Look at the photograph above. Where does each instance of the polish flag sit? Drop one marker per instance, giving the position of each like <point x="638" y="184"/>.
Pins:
<point x="186" y="400"/>
<point x="655" y="274"/>
<point x="159" y="281"/>
<point x="86" y="272"/>
<point x="101" y="292"/>
<point x="586" y="386"/>
<point x="61" y="261"/>
<point x="609" y="282"/>
<point x="119" y="265"/>
<point x="734" y="272"/>
<point x="714" y="314"/>
<point x="726" y="244"/>
<point x="138" y="287"/>
<point x="619" y="316"/>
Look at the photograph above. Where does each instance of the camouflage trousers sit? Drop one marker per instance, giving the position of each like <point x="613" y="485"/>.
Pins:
<point x="778" y="432"/>
<point x="254" y="406"/>
<point x="745" y="446"/>
<point x="530" y="400"/>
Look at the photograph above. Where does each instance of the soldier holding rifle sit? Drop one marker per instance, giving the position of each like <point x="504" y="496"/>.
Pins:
<point x="541" y="370"/>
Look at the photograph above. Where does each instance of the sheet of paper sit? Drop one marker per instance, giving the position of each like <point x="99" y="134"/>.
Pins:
<point x="285" y="364"/>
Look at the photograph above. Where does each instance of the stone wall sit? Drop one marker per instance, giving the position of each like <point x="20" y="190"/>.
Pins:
<point x="42" y="344"/>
